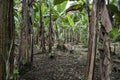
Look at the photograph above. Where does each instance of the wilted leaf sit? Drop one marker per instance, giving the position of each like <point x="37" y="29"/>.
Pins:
<point x="105" y="19"/>
<point x="75" y="7"/>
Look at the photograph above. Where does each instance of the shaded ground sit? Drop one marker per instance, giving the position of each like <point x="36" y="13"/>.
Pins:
<point x="65" y="65"/>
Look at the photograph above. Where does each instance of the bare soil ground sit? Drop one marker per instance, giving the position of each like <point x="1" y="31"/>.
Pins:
<point x="63" y="65"/>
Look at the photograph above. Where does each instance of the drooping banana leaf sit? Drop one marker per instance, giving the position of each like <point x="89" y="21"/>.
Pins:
<point x="75" y="7"/>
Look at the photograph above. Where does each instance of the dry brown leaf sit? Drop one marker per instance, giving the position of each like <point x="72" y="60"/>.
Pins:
<point x="105" y="19"/>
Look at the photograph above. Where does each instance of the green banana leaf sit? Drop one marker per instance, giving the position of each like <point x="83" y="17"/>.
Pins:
<point x="56" y="2"/>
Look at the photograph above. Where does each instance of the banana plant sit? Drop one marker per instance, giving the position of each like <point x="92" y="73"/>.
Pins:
<point x="115" y="10"/>
<point x="69" y="20"/>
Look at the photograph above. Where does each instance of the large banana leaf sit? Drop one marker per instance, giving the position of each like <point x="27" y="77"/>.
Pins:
<point x="60" y="7"/>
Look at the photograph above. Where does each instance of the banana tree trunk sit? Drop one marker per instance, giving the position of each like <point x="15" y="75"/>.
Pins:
<point x="2" y="64"/>
<point x="26" y="34"/>
<point x="57" y="33"/>
<point x="11" y="34"/>
<point x="30" y="33"/>
<point x="92" y="41"/>
<point x="50" y="32"/>
<point x="42" y="32"/>
<point x="7" y="30"/>
<point x="68" y="35"/>
<point x="105" y="58"/>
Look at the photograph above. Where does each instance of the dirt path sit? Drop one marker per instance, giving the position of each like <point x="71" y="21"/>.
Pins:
<point x="63" y="66"/>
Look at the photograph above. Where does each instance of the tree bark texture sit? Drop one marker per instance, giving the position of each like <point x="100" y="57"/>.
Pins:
<point x="26" y="34"/>
<point x="2" y="65"/>
<point x="41" y="31"/>
<point x="105" y="59"/>
<point x="99" y="8"/>
<point x="92" y="41"/>
<point x="6" y="38"/>
<point x="50" y="35"/>
<point x="11" y="34"/>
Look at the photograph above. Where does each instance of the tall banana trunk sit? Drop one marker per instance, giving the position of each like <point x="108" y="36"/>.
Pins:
<point x="105" y="57"/>
<point x="42" y="31"/>
<point x="92" y="41"/>
<point x="2" y="64"/>
<point x="26" y="34"/>
<point x="7" y="30"/>
<point x="11" y="33"/>
<point x="50" y="32"/>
